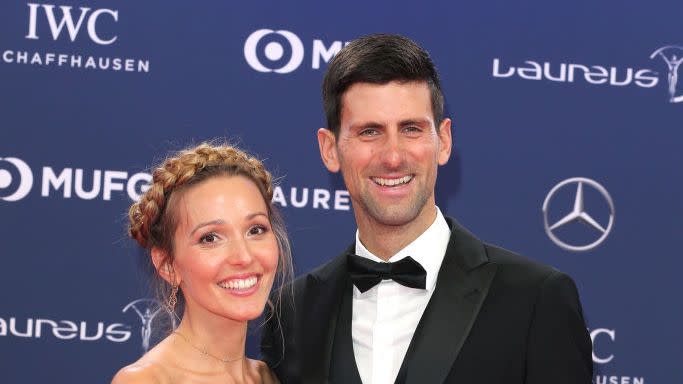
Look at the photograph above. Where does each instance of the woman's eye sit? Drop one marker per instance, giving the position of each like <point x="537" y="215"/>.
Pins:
<point x="208" y="238"/>
<point x="257" y="230"/>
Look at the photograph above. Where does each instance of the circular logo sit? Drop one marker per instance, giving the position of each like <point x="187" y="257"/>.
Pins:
<point x="273" y="47"/>
<point x="7" y="180"/>
<point x="598" y="227"/>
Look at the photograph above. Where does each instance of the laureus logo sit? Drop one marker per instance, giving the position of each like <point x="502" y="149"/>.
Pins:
<point x="148" y="310"/>
<point x="672" y="55"/>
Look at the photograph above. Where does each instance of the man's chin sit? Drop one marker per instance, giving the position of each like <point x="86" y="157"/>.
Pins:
<point x="394" y="216"/>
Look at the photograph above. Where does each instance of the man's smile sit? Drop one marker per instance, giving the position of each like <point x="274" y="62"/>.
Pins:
<point x="392" y="182"/>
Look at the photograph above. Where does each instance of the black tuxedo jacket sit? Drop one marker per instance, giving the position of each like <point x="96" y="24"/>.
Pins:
<point x="494" y="317"/>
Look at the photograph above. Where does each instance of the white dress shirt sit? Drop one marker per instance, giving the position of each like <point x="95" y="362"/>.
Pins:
<point x="385" y="317"/>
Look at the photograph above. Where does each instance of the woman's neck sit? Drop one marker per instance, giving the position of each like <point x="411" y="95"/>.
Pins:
<point x="213" y="344"/>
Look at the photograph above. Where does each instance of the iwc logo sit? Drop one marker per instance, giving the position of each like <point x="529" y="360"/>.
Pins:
<point x="568" y="200"/>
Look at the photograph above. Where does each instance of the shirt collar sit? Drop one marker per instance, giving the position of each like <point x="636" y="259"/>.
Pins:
<point x="428" y="249"/>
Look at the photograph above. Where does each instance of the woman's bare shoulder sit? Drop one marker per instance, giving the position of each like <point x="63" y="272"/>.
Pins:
<point x="143" y="372"/>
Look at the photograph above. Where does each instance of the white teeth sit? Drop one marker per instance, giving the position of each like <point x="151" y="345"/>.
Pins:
<point x="392" y="182"/>
<point x="239" y="284"/>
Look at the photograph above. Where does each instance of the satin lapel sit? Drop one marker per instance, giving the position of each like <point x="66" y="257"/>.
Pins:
<point x="343" y="367"/>
<point x="324" y="290"/>
<point x="463" y="282"/>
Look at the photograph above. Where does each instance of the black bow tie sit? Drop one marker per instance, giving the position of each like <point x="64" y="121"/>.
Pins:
<point x="366" y="273"/>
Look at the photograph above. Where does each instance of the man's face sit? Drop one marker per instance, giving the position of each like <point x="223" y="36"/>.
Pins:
<point x="388" y="149"/>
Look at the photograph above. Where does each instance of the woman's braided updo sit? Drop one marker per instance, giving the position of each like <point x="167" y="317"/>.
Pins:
<point x="189" y="167"/>
<point x="153" y="219"/>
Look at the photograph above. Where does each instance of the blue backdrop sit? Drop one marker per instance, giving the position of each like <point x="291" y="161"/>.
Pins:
<point x="568" y="123"/>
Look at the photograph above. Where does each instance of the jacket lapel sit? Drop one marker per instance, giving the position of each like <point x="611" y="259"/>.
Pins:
<point x="343" y="367"/>
<point x="462" y="285"/>
<point x="322" y="300"/>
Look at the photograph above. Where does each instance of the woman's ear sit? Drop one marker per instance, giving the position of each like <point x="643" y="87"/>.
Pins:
<point x="162" y="263"/>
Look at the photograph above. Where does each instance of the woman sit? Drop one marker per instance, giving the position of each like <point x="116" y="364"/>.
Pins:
<point x="217" y="244"/>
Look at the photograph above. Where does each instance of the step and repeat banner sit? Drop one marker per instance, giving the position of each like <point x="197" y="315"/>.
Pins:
<point x="568" y="128"/>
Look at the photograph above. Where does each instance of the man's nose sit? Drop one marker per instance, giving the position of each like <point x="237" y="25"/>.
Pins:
<point x="392" y="155"/>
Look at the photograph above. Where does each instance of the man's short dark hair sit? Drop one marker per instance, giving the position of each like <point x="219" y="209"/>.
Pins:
<point x="378" y="59"/>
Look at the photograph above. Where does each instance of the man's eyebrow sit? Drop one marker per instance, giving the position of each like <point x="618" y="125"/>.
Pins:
<point x="420" y="122"/>
<point x="367" y="124"/>
<point x="206" y="223"/>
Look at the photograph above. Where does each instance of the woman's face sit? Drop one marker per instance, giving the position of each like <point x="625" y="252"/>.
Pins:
<point x="225" y="249"/>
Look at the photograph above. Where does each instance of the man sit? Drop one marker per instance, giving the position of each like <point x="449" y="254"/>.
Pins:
<point x="449" y="308"/>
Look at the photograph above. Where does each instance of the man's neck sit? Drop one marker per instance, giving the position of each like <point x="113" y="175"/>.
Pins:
<point x="384" y="241"/>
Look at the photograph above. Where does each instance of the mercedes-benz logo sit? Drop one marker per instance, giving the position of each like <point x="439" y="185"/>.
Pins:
<point x="578" y="213"/>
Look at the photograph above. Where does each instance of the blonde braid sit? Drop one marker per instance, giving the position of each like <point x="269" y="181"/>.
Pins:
<point x="182" y="169"/>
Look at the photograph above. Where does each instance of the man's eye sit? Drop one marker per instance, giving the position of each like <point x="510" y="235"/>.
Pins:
<point x="257" y="230"/>
<point x="369" y="132"/>
<point x="208" y="238"/>
<point x="412" y="129"/>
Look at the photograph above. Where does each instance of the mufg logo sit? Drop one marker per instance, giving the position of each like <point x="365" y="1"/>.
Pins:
<point x="17" y="180"/>
<point x="281" y="51"/>
<point x="672" y="55"/>
<point x="578" y="214"/>
<point x="71" y="21"/>
<point x="19" y="171"/>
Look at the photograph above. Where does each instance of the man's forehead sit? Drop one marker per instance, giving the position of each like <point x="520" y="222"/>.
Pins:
<point x="394" y="100"/>
<point x="417" y="84"/>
